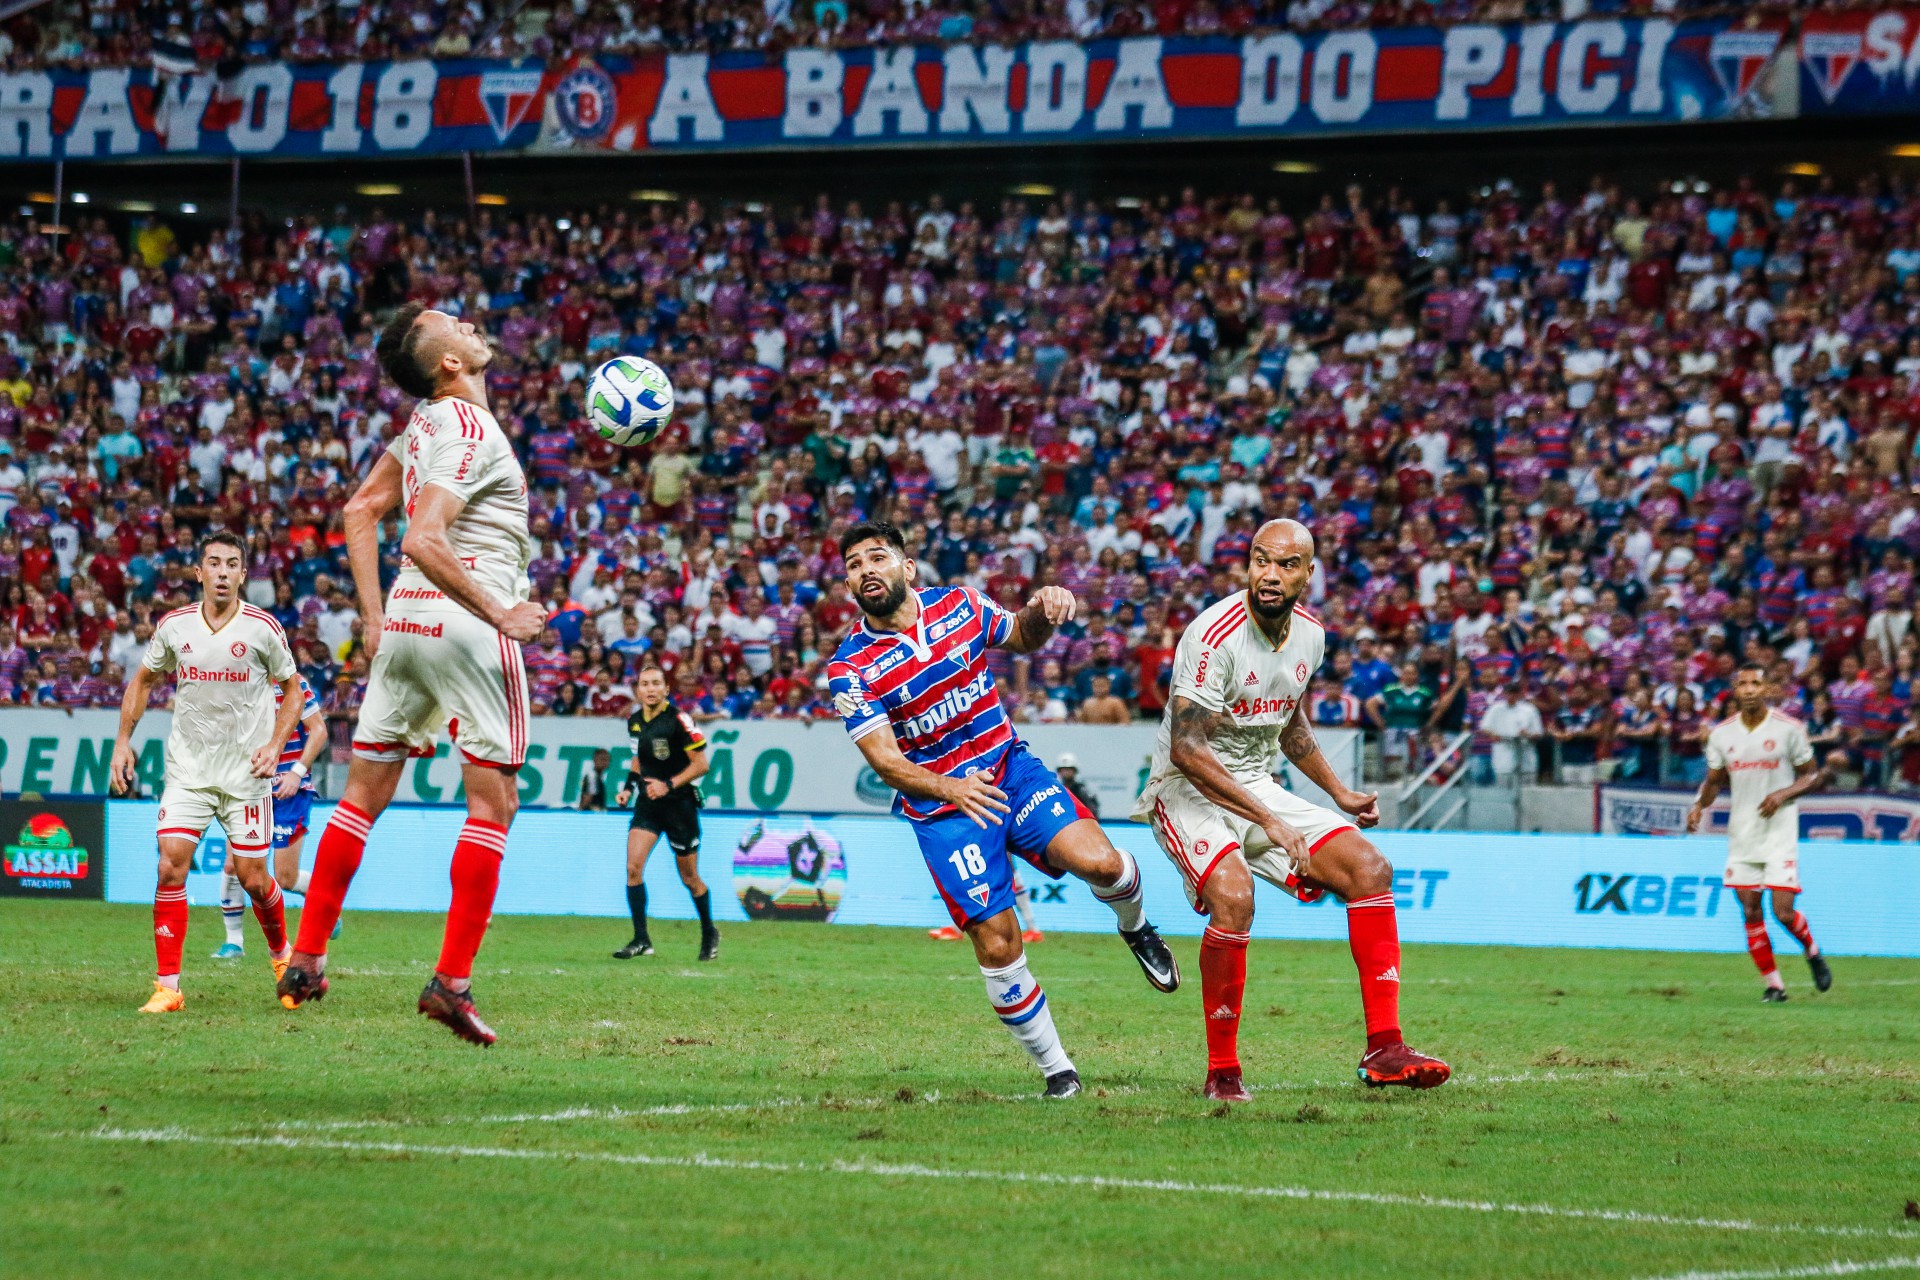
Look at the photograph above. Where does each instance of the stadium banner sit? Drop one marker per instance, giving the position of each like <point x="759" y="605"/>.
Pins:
<point x="1574" y="891"/>
<point x="1860" y="62"/>
<point x="1473" y="76"/>
<point x="1866" y="815"/>
<point x="1388" y="80"/>
<point x="316" y="110"/>
<point x="755" y="764"/>
<point x="53" y="850"/>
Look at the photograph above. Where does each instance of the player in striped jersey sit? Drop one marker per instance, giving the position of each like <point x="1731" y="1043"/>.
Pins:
<point x="912" y="687"/>
<point x="293" y="794"/>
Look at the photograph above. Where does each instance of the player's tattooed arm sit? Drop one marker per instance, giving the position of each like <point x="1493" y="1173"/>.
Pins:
<point x="1191" y="727"/>
<point x="1033" y="626"/>
<point x="1303" y="749"/>
<point x="1710" y="789"/>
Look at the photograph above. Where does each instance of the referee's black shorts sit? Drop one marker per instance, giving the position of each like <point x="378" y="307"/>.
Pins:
<point x="675" y="816"/>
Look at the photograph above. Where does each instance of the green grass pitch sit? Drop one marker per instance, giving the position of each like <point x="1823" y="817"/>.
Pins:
<point x="840" y="1102"/>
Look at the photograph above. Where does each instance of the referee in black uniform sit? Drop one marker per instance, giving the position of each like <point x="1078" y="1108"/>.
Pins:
<point x="669" y="756"/>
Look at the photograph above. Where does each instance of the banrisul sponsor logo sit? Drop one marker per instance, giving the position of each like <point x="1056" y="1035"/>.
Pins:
<point x="44" y="850"/>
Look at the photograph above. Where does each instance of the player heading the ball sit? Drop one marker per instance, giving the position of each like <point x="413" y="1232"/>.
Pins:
<point x="912" y="687"/>
<point x="445" y="646"/>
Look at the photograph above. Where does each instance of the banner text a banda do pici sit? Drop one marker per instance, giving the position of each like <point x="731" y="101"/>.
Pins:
<point x="1402" y="79"/>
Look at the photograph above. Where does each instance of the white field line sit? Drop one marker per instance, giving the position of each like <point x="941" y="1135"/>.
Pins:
<point x="1835" y="1268"/>
<point x="877" y="1169"/>
<point x="675" y="1109"/>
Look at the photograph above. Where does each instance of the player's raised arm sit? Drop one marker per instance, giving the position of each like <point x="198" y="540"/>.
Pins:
<point x="377" y="495"/>
<point x="1033" y="626"/>
<point x="1303" y="749"/>
<point x="428" y="546"/>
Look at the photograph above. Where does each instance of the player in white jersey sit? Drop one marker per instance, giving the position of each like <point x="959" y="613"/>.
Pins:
<point x="1764" y="759"/>
<point x="226" y="657"/>
<point x="1237" y="697"/>
<point x="445" y="646"/>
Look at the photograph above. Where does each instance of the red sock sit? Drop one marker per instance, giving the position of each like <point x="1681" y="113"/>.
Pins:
<point x="1803" y="933"/>
<point x="1223" y="985"/>
<point x="1760" y="947"/>
<point x="272" y="915"/>
<point x="169" y="929"/>
<point x="334" y="863"/>
<point x="1373" y="935"/>
<point x="476" y="877"/>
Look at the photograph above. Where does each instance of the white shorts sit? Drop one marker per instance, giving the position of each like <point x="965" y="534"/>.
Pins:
<point x="1766" y="865"/>
<point x="185" y="814"/>
<point x="1196" y="833"/>
<point x="445" y="669"/>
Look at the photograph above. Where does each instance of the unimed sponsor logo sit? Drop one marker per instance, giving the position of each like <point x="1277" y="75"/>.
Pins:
<point x="1632" y="893"/>
<point x="408" y="627"/>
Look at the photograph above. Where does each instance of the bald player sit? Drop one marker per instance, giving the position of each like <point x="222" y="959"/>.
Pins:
<point x="1239" y="689"/>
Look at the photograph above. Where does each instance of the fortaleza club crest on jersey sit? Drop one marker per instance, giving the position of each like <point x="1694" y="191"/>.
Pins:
<point x="584" y="101"/>
<point x="44" y="849"/>
<point x="979" y="893"/>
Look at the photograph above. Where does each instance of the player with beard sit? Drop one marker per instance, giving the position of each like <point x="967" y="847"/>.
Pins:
<point x="1237" y="696"/>
<point x="912" y="687"/>
<point x="445" y="646"/>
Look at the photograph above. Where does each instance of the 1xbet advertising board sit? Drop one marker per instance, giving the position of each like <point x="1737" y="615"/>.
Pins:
<point x="1581" y="891"/>
<point x="53" y="850"/>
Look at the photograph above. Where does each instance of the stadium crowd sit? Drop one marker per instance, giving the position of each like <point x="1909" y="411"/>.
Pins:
<point x="1569" y="456"/>
<point x="119" y="32"/>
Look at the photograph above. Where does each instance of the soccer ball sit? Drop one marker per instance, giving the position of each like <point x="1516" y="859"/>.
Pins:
<point x="629" y="400"/>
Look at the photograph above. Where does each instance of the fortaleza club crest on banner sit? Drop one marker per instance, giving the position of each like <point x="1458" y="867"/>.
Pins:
<point x="585" y="101"/>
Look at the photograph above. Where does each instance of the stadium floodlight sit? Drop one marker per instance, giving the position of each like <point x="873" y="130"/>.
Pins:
<point x="1805" y="169"/>
<point x="378" y="188"/>
<point x="80" y="197"/>
<point x="188" y="206"/>
<point x="136" y="206"/>
<point x="39" y="197"/>
<point x="1037" y="189"/>
<point x="1906" y="151"/>
<point x="646" y="194"/>
<point x="563" y="224"/>
<point x="490" y="198"/>
<point x="1301" y="167"/>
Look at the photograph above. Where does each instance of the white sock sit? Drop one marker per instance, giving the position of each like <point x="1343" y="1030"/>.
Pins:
<point x="1124" y="894"/>
<point x="1023" y="906"/>
<point x="233" y="910"/>
<point x="1022" y="1005"/>
<point x="301" y="882"/>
